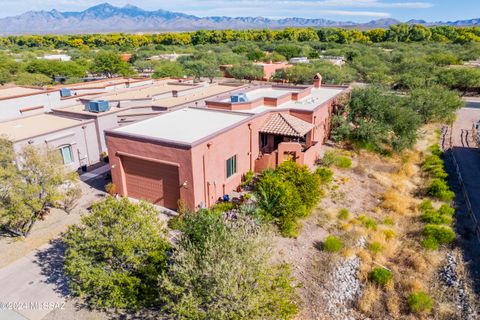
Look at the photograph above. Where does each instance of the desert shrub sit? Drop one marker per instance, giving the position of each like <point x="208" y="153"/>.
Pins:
<point x="248" y="178"/>
<point x="435" y="217"/>
<point x="368" y="223"/>
<point x="344" y="162"/>
<point x="420" y="302"/>
<point x="434" y="167"/>
<point x="343" y="214"/>
<point x="435" y="150"/>
<point x="306" y="183"/>
<point x="380" y="276"/>
<point x="389" y="234"/>
<point x="224" y="206"/>
<point x="388" y="221"/>
<point x="286" y="194"/>
<point x="111" y="188"/>
<point x="332" y="244"/>
<point x="334" y="158"/>
<point x="430" y="243"/>
<point x="329" y="158"/>
<point x="425" y="205"/>
<point x="221" y="269"/>
<point x="325" y="174"/>
<point x="436" y="235"/>
<point x="375" y="247"/>
<point x="116" y="254"/>
<point x="446" y="210"/>
<point x="439" y="189"/>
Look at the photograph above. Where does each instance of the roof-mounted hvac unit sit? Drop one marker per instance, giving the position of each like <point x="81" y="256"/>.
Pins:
<point x="65" y="92"/>
<point x="98" y="106"/>
<point x="238" y="97"/>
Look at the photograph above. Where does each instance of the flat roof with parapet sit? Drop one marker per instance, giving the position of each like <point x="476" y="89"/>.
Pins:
<point x="98" y="83"/>
<point x="145" y="92"/>
<point x="18" y="91"/>
<point x="205" y="92"/>
<point x="186" y="126"/>
<point x="318" y="96"/>
<point x="28" y="127"/>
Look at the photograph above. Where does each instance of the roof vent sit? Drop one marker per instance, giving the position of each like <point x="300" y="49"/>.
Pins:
<point x="98" y="106"/>
<point x="238" y="97"/>
<point x="65" y="92"/>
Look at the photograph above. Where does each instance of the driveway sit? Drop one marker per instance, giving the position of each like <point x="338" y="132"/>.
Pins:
<point x="33" y="286"/>
<point x="467" y="153"/>
<point x="32" y="283"/>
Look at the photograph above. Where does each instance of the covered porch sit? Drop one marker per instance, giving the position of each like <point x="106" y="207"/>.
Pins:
<point x="285" y="137"/>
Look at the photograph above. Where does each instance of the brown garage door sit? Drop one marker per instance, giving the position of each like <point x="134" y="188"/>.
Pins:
<point x="152" y="181"/>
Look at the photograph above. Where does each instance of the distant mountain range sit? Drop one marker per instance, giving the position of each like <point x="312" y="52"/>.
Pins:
<point x="107" y="18"/>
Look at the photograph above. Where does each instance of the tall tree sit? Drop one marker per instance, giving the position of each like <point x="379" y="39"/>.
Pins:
<point x="29" y="187"/>
<point x="110" y="64"/>
<point x="115" y="255"/>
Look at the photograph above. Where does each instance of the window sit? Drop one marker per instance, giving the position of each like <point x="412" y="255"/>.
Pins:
<point x="263" y="140"/>
<point x="66" y="153"/>
<point x="231" y="166"/>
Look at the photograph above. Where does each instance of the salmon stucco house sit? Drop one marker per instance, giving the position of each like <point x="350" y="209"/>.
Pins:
<point x="201" y="154"/>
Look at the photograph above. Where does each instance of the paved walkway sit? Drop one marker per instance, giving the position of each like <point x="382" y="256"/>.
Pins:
<point x="95" y="173"/>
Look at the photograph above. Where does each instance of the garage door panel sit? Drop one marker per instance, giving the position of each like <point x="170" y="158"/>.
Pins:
<point x="151" y="181"/>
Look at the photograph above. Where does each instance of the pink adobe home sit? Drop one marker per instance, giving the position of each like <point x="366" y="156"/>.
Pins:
<point x="201" y="154"/>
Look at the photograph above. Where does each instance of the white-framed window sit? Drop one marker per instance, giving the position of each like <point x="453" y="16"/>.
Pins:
<point x="66" y="153"/>
<point x="231" y="166"/>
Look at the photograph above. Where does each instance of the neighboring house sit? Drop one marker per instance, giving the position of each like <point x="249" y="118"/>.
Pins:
<point x="57" y="57"/>
<point x="16" y="101"/>
<point x="299" y="60"/>
<point x="75" y="140"/>
<point x="200" y="154"/>
<point x="335" y="60"/>
<point x="70" y="118"/>
<point x="168" y="56"/>
<point x="270" y="68"/>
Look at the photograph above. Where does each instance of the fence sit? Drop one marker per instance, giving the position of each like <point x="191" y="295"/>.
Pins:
<point x="460" y="178"/>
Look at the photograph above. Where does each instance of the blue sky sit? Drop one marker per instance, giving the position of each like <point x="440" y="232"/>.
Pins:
<point x="343" y="10"/>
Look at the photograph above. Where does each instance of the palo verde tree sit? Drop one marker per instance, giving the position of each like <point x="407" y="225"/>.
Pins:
<point x="30" y="187"/>
<point x="221" y="269"/>
<point x="114" y="257"/>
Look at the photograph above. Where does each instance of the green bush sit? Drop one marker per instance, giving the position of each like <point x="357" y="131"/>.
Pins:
<point x="388" y="221"/>
<point x="325" y="174"/>
<point x="441" y="234"/>
<point x="426" y="205"/>
<point x="375" y="247"/>
<point x="435" y="150"/>
<point x="332" y="244"/>
<point x="420" y="302"/>
<point x="380" y="276"/>
<point x="344" y="162"/>
<point x="368" y="223"/>
<point x="430" y="243"/>
<point x="286" y="194"/>
<point x="329" y="158"/>
<point x="446" y="210"/>
<point x="224" y="206"/>
<point x="343" y="214"/>
<point x="435" y="217"/>
<point x="248" y="178"/>
<point x="439" y="189"/>
<point x="334" y="158"/>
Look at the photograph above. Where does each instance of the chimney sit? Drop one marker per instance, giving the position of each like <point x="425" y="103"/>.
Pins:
<point x="270" y="62"/>
<point x="317" y="80"/>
